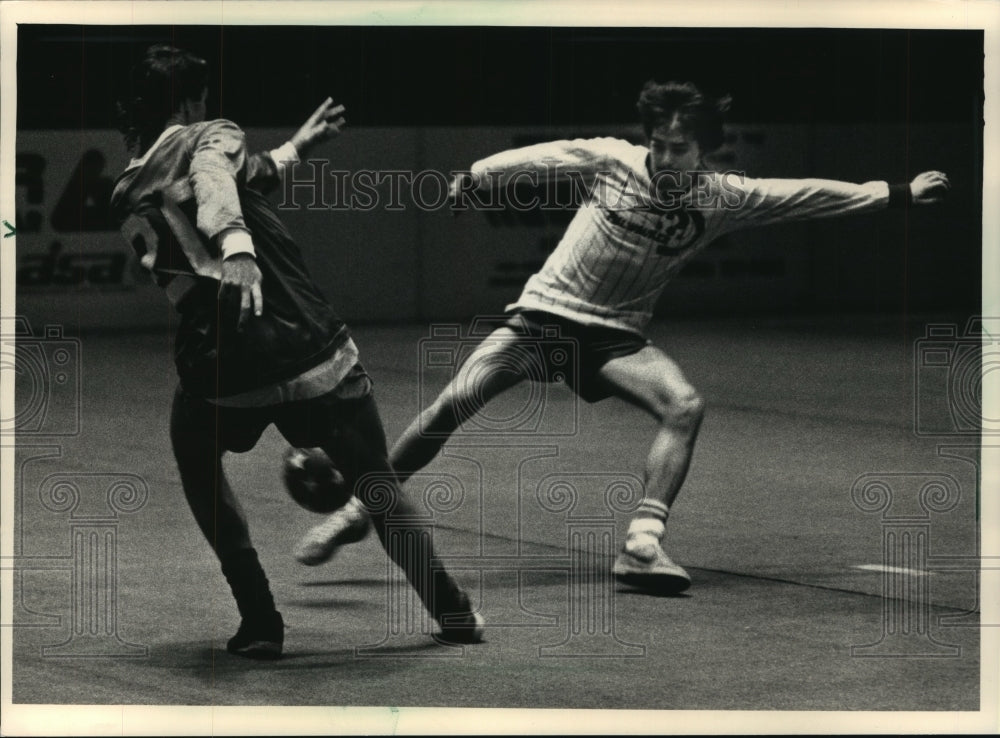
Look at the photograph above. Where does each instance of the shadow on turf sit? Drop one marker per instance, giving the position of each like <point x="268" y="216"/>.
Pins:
<point x="537" y="578"/>
<point x="217" y="660"/>
<point x="209" y="663"/>
<point x="344" y="583"/>
<point x="652" y="593"/>
<point x="329" y="604"/>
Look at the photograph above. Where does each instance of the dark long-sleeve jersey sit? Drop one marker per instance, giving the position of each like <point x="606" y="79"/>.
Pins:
<point x="196" y="184"/>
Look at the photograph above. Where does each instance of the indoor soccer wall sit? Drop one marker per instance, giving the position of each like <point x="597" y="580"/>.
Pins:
<point x="382" y="257"/>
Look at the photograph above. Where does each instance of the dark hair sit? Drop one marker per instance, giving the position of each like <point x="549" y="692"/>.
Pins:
<point x="165" y="78"/>
<point x="699" y="115"/>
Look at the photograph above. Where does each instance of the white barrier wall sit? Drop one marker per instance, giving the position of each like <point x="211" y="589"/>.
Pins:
<point x="75" y="270"/>
<point x="71" y="269"/>
<point x="381" y="257"/>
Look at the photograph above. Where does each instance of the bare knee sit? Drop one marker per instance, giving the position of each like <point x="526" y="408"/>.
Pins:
<point x="682" y="410"/>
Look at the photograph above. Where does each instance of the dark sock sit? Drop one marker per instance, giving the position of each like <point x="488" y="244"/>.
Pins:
<point x="246" y="578"/>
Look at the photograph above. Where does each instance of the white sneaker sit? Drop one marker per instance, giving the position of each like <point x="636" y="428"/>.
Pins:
<point x="349" y="524"/>
<point x="647" y="567"/>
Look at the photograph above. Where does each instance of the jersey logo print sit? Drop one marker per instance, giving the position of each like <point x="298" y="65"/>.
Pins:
<point x="675" y="231"/>
<point x="678" y="230"/>
<point x="159" y="227"/>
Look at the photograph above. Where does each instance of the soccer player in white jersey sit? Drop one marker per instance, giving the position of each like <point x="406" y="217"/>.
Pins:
<point x="650" y="209"/>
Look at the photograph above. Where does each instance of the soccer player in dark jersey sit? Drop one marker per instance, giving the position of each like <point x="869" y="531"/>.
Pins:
<point x="651" y="209"/>
<point x="257" y="343"/>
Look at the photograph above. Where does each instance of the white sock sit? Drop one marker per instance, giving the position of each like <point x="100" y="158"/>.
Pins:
<point x="649" y="525"/>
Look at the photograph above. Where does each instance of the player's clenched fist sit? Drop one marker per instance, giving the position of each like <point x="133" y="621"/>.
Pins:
<point x="929" y="187"/>
<point x="322" y="125"/>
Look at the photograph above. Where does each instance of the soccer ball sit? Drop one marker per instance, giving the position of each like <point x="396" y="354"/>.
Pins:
<point x="313" y="481"/>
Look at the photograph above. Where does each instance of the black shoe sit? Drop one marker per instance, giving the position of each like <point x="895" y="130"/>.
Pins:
<point x="461" y="624"/>
<point x="462" y="629"/>
<point x="259" y="637"/>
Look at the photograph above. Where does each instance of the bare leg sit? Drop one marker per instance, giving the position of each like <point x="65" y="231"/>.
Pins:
<point x="487" y="373"/>
<point x="652" y="381"/>
<point x="489" y="370"/>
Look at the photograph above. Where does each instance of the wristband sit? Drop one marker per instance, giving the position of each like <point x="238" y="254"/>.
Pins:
<point x="900" y="196"/>
<point x="235" y="241"/>
<point x="284" y="155"/>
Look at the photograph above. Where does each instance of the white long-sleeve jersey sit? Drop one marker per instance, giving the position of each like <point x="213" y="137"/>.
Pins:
<point x="618" y="253"/>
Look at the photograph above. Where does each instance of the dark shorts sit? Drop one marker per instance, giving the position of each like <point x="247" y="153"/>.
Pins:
<point x="574" y="353"/>
<point x="304" y="423"/>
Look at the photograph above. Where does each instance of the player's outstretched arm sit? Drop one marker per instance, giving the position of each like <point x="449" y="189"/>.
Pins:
<point x="929" y="188"/>
<point x="264" y="170"/>
<point x="759" y="202"/>
<point x="579" y="160"/>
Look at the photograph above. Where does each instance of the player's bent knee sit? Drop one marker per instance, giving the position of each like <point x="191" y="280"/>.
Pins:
<point x="684" y="411"/>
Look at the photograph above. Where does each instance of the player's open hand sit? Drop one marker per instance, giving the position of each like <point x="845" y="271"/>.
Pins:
<point x="241" y="273"/>
<point x="321" y="126"/>
<point x="929" y="188"/>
